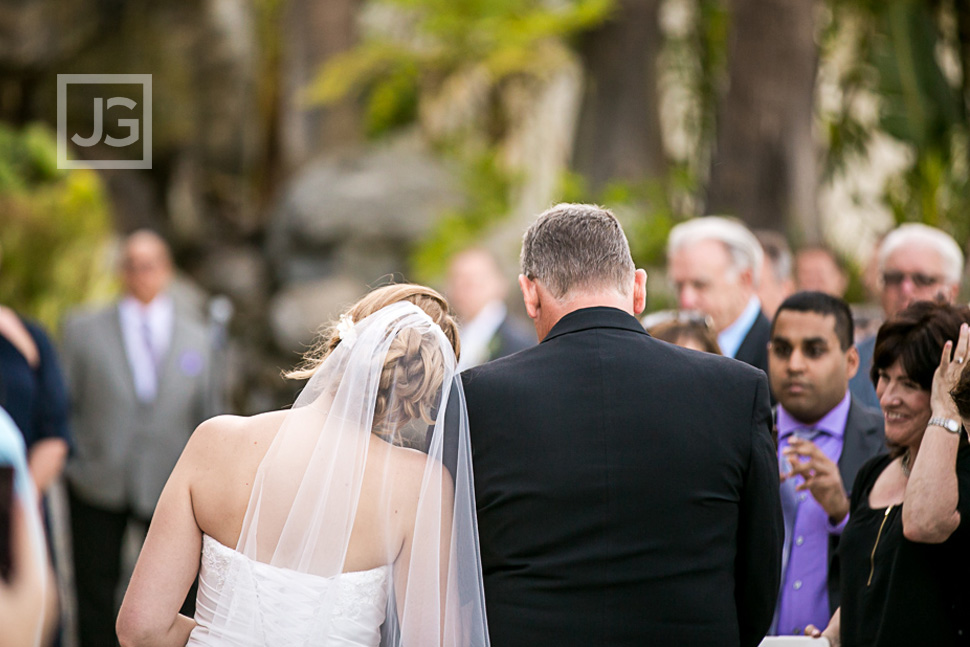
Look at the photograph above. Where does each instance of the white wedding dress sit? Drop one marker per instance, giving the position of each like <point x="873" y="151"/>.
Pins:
<point x="278" y="606"/>
<point x="388" y="380"/>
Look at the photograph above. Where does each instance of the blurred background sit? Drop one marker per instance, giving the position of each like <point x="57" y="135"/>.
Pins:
<point x="305" y="150"/>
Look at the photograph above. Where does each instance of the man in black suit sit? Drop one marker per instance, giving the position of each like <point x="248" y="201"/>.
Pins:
<point x="825" y="435"/>
<point x="715" y="264"/>
<point x="477" y="290"/>
<point x="627" y="489"/>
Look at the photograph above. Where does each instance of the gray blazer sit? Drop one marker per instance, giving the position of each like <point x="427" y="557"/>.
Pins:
<point x="126" y="449"/>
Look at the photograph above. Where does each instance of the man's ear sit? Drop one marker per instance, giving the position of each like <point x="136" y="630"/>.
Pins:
<point x="530" y="296"/>
<point x="746" y="278"/>
<point x="852" y="362"/>
<point x="639" y="291"/>
<point x="952" y="292"/>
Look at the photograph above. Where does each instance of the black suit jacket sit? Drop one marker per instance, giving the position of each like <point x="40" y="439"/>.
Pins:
<point x="754" y="349"/>
<point x="864" y="438"/>
<point x="627" y="491"/>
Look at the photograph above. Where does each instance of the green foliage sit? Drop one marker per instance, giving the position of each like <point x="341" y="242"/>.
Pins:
<point x="897" y="59"/>
<point x="503" y="37"/>
<point x="487" y="189"/>
<point x="26" y="158"/>
<point x="54" y="229"/>
<point x="443" y="40"/>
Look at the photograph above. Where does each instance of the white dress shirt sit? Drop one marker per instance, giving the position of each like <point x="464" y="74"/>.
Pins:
<point x="147" y="333"/>
<point x="477" y="334"/>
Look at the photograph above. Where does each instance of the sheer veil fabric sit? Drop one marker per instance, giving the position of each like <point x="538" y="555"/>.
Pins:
<point x="368" y="434"/>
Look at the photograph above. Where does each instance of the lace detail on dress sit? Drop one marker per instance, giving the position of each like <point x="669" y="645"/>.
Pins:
<point x="275" y="606"/>
<point x="355" y="595"/>
<point x="215" y="562"/>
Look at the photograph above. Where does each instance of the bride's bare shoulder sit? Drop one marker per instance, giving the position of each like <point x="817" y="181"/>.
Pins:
<point x="412" y="465"/>
<point x="220" y="433"/>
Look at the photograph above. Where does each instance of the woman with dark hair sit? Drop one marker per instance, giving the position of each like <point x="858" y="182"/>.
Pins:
<point x="905" y="553"/>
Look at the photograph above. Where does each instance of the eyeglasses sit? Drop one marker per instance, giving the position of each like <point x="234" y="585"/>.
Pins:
<point x="920" y="280"/>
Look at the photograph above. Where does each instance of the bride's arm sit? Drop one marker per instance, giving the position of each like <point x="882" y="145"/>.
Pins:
<point x="168" y="562"/>
<point x="424" y="582"/>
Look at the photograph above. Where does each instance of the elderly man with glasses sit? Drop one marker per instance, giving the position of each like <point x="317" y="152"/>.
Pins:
<point x="916" y="263"/>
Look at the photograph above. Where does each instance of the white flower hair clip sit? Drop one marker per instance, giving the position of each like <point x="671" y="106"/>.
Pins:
<point x="346" y="330"/>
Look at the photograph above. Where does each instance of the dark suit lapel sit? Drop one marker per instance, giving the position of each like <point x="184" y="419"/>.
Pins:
<point x="754" y="344"/>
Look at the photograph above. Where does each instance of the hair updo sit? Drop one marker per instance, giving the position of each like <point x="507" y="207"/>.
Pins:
<point x="413" y="368"/>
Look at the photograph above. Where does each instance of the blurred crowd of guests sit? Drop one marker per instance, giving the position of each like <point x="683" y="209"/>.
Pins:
<point x="870" y="551"/>
<point x="112" y="412"/>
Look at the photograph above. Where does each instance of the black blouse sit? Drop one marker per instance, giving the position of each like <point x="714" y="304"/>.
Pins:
<point x="899" y="592"/>
<point x="36" y="398"/>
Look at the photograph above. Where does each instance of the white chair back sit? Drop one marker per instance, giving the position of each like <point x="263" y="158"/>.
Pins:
<point x="794" y="641"/>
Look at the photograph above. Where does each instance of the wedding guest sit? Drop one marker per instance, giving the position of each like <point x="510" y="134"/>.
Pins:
<point x="777" y="282"/>
<point x="687" y="330"/>
<point x="138" y="374"/>
<point x="22" y="590"/>
<point x="477" y="290"/>
<point x="715" y="265"/>
<point x="916" y="263"/>
<point x="825" y="435"/>
<point x="818" y="269"/>
<point x="627" y="488"/>
<point x="33" y="393"/>
<point x="905" y="552"/>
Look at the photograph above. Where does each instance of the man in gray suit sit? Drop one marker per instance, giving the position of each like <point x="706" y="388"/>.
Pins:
<point x="824" y="437"/>
<point x="139" y="376"/>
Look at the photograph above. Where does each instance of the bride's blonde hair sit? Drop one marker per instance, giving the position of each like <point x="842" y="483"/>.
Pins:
<point x="413" y="369"/>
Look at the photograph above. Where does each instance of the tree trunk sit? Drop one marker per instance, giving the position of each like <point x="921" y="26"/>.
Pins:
<point x="619" y="134"/>
<point x="313" y="32"/>
<point x="764" y="168"/>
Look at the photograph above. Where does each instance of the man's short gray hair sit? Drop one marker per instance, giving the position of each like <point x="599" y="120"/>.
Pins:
<point x="743" y="248"/>
<point x="577" y="247"/>
<point x="942" y="242"/>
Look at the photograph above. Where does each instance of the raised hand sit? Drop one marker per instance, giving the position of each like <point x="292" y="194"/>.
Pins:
<point x="948" y="374"/>
<point x="821" y="474"/>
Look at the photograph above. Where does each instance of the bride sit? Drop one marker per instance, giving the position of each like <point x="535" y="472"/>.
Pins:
<point x="335" y="522"/>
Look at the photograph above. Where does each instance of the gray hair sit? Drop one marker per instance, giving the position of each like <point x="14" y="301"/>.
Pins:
<point x="743" y="248"/>
<point x="942" y="242"/>
<point x="577" y="246"/>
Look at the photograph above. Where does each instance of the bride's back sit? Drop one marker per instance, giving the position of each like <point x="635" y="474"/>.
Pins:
<point x="229" y="450"/>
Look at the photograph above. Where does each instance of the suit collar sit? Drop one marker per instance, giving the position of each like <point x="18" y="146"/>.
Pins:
<point x="595" y="317"/>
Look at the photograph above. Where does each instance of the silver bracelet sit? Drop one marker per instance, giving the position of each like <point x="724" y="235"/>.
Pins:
<point x="951" y="425"/>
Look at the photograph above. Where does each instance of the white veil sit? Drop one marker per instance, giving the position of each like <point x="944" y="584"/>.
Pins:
<point x="368" y="435"/>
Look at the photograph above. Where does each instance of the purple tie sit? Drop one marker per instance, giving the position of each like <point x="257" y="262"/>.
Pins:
<point x="146" y="333"/>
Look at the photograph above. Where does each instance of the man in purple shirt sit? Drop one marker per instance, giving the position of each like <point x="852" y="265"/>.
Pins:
<point x="824" y="437"/>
